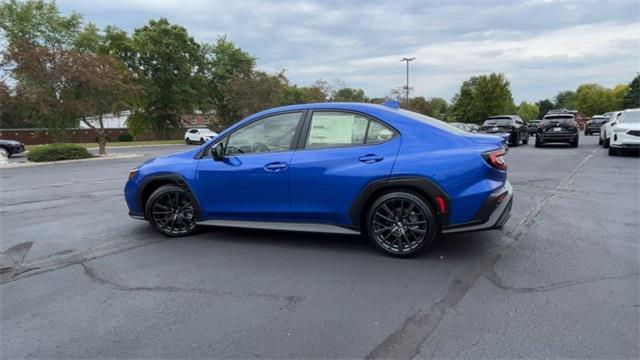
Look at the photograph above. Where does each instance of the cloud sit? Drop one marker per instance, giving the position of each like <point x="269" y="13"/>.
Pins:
<point x="542" y="46"/>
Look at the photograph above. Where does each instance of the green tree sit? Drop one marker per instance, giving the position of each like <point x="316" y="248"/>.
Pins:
<point x="566" y="99"/>
<point x="349" y="95"/>
<point x="483" y="96"/>
<point x="36" y="58"/>
<point x="543" y="107"/>
<point x="592" y="99"/>
<point x="528" y="112"/>
<point x="246" y="94"/>
<point x="169" y="65"/>
<point x="225" y="62"/>
<point x="435" y="107"/>
<point x="619" y="92"/>
<point x="632" y="96"/>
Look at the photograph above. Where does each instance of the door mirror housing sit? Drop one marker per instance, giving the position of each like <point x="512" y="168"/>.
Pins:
<point x="217" y="151"/>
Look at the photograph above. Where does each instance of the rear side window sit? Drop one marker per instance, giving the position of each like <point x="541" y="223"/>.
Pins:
<point x="339" y="129"/>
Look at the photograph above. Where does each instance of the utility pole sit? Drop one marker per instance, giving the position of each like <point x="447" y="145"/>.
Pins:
<point x="407" y="60"/>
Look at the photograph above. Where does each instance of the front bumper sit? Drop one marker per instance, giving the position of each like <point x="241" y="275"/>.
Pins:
<point x="498" y="212"/>
<point x="14" y="148"/>
<point x="624" y="141"/>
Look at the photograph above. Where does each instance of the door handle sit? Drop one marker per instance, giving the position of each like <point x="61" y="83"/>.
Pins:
<point x="275" y="166"/>
<point x="370" y="158"/>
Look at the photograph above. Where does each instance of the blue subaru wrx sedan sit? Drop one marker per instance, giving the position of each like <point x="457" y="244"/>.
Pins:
<point x="395" y="176"/>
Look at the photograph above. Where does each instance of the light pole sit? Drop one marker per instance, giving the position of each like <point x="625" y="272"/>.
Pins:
<point x="407" y="60"/>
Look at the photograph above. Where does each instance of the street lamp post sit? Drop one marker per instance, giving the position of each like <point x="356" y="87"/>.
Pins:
<point x="407" y="60"/>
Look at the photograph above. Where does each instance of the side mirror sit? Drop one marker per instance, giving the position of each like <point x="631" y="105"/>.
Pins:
<point x="218" y="151"/>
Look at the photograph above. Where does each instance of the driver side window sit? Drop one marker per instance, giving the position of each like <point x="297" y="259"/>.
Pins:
<point x="270" y="134"/>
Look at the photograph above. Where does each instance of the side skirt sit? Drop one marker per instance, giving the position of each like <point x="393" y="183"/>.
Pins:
<point x="285" y="226"/>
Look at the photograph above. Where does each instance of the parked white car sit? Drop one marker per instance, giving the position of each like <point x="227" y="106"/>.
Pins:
<point x="605" y="130"/>
<point x="625" y="132"/>
<point x="198" y="135"/>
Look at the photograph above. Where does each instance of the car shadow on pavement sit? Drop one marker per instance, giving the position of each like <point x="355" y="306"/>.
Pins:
<point x="446" y="246"/>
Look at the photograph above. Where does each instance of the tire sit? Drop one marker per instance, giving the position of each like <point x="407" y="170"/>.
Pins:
<point x="172" y="211"/>
<point x="401" y="224"/>
<point x="613" y="151"/>
<point x="525" y="141"/>
<point x="599" y="140"/>
<point x="202" y="141"/>
<point x="606" y="143"/>
<point x="188" y="141"/>
<point x="574" y="144"/>
<point x="539" y="142"/>
<point x="515" y="142"/>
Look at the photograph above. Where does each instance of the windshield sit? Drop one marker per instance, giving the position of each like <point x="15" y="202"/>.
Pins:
<point x="497" y="122"/>
<point x="431" y="121"/>
<point x="630" y="117"/>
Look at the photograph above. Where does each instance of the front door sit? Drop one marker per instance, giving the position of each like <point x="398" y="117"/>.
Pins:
<point x="251" y="181"/>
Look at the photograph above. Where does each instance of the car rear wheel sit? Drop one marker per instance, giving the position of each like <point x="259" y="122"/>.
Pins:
<point x="606" y="143"/>
<point x="401" y="224"/>
<point x="539" y="142"/>
<point x="202" y="141"/>
<point x="525" y="141"/>
<point x="599" y="141"/>
<point x="188" y="141"/>
<point x="574" y="143"/>
<point x="172" y="211"/>
<point x="515" y="141"/>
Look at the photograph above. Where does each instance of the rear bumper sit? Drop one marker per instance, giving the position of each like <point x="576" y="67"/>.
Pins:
<point x="497" y="210"/>
<point x="551" y="137"/>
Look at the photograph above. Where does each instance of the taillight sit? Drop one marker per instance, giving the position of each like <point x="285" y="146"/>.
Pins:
<point x="495" y="159"/>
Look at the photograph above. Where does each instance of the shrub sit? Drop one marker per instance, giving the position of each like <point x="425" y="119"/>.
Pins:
<point x="126" y="137"/>
<point x="56" y="152"/>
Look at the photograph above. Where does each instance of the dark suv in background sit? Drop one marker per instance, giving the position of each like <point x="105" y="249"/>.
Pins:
<point x="558" y="128"/>
<point x="511" y="124"/>
<point x="594" y="125"/>
<point x="532" y="126"/>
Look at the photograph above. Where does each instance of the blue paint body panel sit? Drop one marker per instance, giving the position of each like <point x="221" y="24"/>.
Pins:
<point x="321" y="185"/>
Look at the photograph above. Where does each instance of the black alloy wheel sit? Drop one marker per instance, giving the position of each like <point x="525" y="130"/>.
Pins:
<point x="172" y="211"/>
<point x="401" y="224"/>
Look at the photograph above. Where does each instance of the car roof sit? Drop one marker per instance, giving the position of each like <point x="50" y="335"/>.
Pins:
<point x="501" y="117"/>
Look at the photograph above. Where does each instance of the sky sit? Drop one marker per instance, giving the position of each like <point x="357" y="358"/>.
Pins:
<point x="542" y="46"/>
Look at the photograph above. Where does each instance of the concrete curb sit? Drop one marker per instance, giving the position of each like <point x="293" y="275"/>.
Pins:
<point x="137" y="146"/>
<point x="108" y="157"/>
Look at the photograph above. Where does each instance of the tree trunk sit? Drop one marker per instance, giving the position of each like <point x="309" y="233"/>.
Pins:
<point x="102" y="139"/>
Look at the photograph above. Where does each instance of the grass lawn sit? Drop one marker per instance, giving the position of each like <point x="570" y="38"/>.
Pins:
<point x="124" y="143"/>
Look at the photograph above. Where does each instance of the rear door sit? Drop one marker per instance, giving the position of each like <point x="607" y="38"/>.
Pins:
<point x="340" y="153"/>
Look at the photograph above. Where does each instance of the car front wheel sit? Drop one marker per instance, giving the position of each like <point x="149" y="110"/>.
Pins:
<point x="401" y="224"/>
<point x="172" y="211"/>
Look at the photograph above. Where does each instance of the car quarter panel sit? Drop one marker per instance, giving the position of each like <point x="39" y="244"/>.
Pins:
<point x="452" y="161"/>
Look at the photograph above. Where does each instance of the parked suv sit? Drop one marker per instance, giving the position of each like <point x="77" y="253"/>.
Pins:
<point x="198" y="135"/>
<point x="594" y="125"/>
<point x="399" y="177"/>
<point x="625" y="132"/>
<point x="532" y="127"/>
<point x="511" y="124"/>
<point x="557" y="128"/>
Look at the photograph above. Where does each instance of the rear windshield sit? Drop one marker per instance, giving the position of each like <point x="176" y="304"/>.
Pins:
<point x="497" y="122"/>
<point x="431" y="121"/>
<point x="562" y="120"/>
<point x="630" y="117"/>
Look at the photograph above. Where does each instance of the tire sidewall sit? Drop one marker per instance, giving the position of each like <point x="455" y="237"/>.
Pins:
<point x="430" y="216"/>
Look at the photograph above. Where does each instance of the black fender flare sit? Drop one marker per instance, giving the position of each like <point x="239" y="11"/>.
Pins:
<point x="422" y="185"/>
<point x="169" y="178"/>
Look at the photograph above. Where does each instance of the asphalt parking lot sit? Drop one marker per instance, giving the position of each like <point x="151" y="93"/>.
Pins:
<point x="560" y="280"/>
